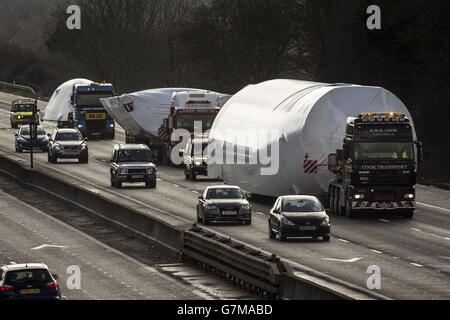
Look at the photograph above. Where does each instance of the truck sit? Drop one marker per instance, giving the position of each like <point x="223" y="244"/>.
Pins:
<point x="194" y="112"/>
<point x="22" y="112"/>
<point x="89" y="116"/>
<point x="376" y="170"/>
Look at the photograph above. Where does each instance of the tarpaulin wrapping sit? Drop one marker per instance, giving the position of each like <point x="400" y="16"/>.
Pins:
<point x="310" y="118"/>
<point x="142" y="113"/>
<point x="59" y="106"/>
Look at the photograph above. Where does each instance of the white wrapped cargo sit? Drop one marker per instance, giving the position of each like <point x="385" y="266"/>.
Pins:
<point x="142" y="113"/>
<point x="59" y="106"/>
<point x="304" y="118"/>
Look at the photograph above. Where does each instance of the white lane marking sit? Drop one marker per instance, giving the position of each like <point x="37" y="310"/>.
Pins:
<point x="384" y="220"/>
<point x="48" y="246"/>
<point x="417" y="265"/>
<point x="176" y="186"/>
<point x="431" y="234"/>
<point x="343" y="240"/>
<point x="196" y="192"/>
<point x="261" y="213"/>
<point x="157" y="179"/>
<point x="343" y="260"/>
<point x="376" y="251"/>
<point x="433" y="207"/>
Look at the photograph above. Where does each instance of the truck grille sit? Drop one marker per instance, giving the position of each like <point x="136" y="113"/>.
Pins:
<point x="95" y="124"/>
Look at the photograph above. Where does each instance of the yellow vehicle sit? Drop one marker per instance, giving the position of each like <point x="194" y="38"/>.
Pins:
<point x="22" y="112"/>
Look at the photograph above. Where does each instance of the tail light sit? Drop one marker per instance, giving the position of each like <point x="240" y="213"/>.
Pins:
<point x="52" y="285"/>
<point x="6" y="288"/>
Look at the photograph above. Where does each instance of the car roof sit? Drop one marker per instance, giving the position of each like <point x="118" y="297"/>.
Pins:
<point x="24" y="266"/>
<point x="131" y="147"/>
<point x="67" y="130"/>
<point x="299" y="197"/>
<point x="224" y="186"/>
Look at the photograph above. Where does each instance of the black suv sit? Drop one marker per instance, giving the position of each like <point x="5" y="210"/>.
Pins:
<point x="67" y="144"/>
<point x="132" y="163"/>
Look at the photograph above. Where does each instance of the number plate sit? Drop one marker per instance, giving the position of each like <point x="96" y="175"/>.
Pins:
<point x="95" y="116"/>
<point x="308" y="228"/>
<point x="229" y="213"/>
<point x="30" y="291"/>
<point x="137" y="177"/>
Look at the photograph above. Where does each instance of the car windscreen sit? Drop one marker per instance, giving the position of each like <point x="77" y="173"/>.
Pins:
<point x="26" y="277"/>
<point x="25" y="131"/>
<point x="134" y="156"/>
<point x="68" y="136"/>
<point x="225" y="193"/>
<point x="301" y="205"/>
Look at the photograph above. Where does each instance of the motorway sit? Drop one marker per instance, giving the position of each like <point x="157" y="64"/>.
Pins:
<point x="414" y="255"/>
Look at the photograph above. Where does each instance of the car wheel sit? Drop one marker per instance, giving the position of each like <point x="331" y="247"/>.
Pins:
<point x="199" y="220"/>
<point x="150" y="185"/>
<point x="326" y="238"/>
<point x="113" y="183"/>
<point x="205" y="221"/>
<point x="49" y="159"/>
<point x="54" y="159"/>
<point x="272" y="235"/>
<point x="192" y="176"/>
<point x="248" y="222"/>
<point x="281" y="235"/>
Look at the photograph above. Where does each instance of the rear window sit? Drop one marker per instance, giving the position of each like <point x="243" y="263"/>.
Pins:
<point x="302" y="206"/>
<point x="38" y="276"/>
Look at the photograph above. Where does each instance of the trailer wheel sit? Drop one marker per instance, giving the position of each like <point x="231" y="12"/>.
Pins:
<point x="348" y="210"/>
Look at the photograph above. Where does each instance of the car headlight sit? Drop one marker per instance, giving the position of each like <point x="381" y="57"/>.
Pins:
<point x="123" y="171"/>
<point x="57" y="147"/>
<point x="111" y="125"/>
<point x="246" y="206"/>
<point x="151" y="170"/>
<point x="325" y="222"/>
<point x="83" y="147"/>
<point x="409" y="196"/>
<point x="287" y="222"/>
<point x="359" y="196"/>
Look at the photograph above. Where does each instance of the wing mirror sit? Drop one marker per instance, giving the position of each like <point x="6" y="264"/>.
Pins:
<point x="55" y="276"/>
<point x="201" y="198"/>
<point x="276" y="211"/>
<point x="16" y="135"/>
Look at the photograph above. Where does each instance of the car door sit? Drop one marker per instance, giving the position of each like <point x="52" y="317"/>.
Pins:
<point x="201" y="204"/>
<point x="274" y="217"/>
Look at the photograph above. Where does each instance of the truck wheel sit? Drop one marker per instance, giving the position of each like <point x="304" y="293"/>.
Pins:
<point x="186" y="174"/>
<point x="409" y="214"/>
<point x="337" y="206"/>
<point x="348" y="211"/>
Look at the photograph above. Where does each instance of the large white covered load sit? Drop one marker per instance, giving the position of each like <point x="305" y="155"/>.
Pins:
<point x="306" y="120"/>
<point x="59" y="106"/>
<point x="142" y="113"/>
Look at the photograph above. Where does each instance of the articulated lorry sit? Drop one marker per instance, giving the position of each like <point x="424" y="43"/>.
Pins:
<point x="377" y="168"/>
<point x="304" y="123"/>
<point x="152" y="116"/>
<point x="76" y="104"/>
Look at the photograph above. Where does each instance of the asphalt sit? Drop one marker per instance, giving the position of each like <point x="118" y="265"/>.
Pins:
<point x="413" y="255"/>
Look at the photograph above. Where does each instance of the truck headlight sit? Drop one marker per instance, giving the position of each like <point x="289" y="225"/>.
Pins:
<point x="359" y="196"/>
<point x="198" y="163"/>
<point x="409" y="196"/>
<point x="123" y="171"/>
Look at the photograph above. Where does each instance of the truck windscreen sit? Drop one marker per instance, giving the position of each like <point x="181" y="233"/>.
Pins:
<point x="384" y="151"/>
<point x="23" y="108"/>
<point x="187" y="121"/>
<point x="91" y="99"/>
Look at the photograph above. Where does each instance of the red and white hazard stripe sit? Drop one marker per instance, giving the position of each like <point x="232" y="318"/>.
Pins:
<point x="311" y="166"/>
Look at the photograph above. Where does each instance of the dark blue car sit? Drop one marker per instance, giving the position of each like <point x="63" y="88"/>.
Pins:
<point x="23" y="140"/>
<point x="28" y="282"/>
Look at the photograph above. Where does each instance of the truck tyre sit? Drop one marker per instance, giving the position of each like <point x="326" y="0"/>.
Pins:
<point x="409" y="214"/>
<point x="348" y="211"/>
<point x="186" y="174"/>
<point x="337" y="205"/>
